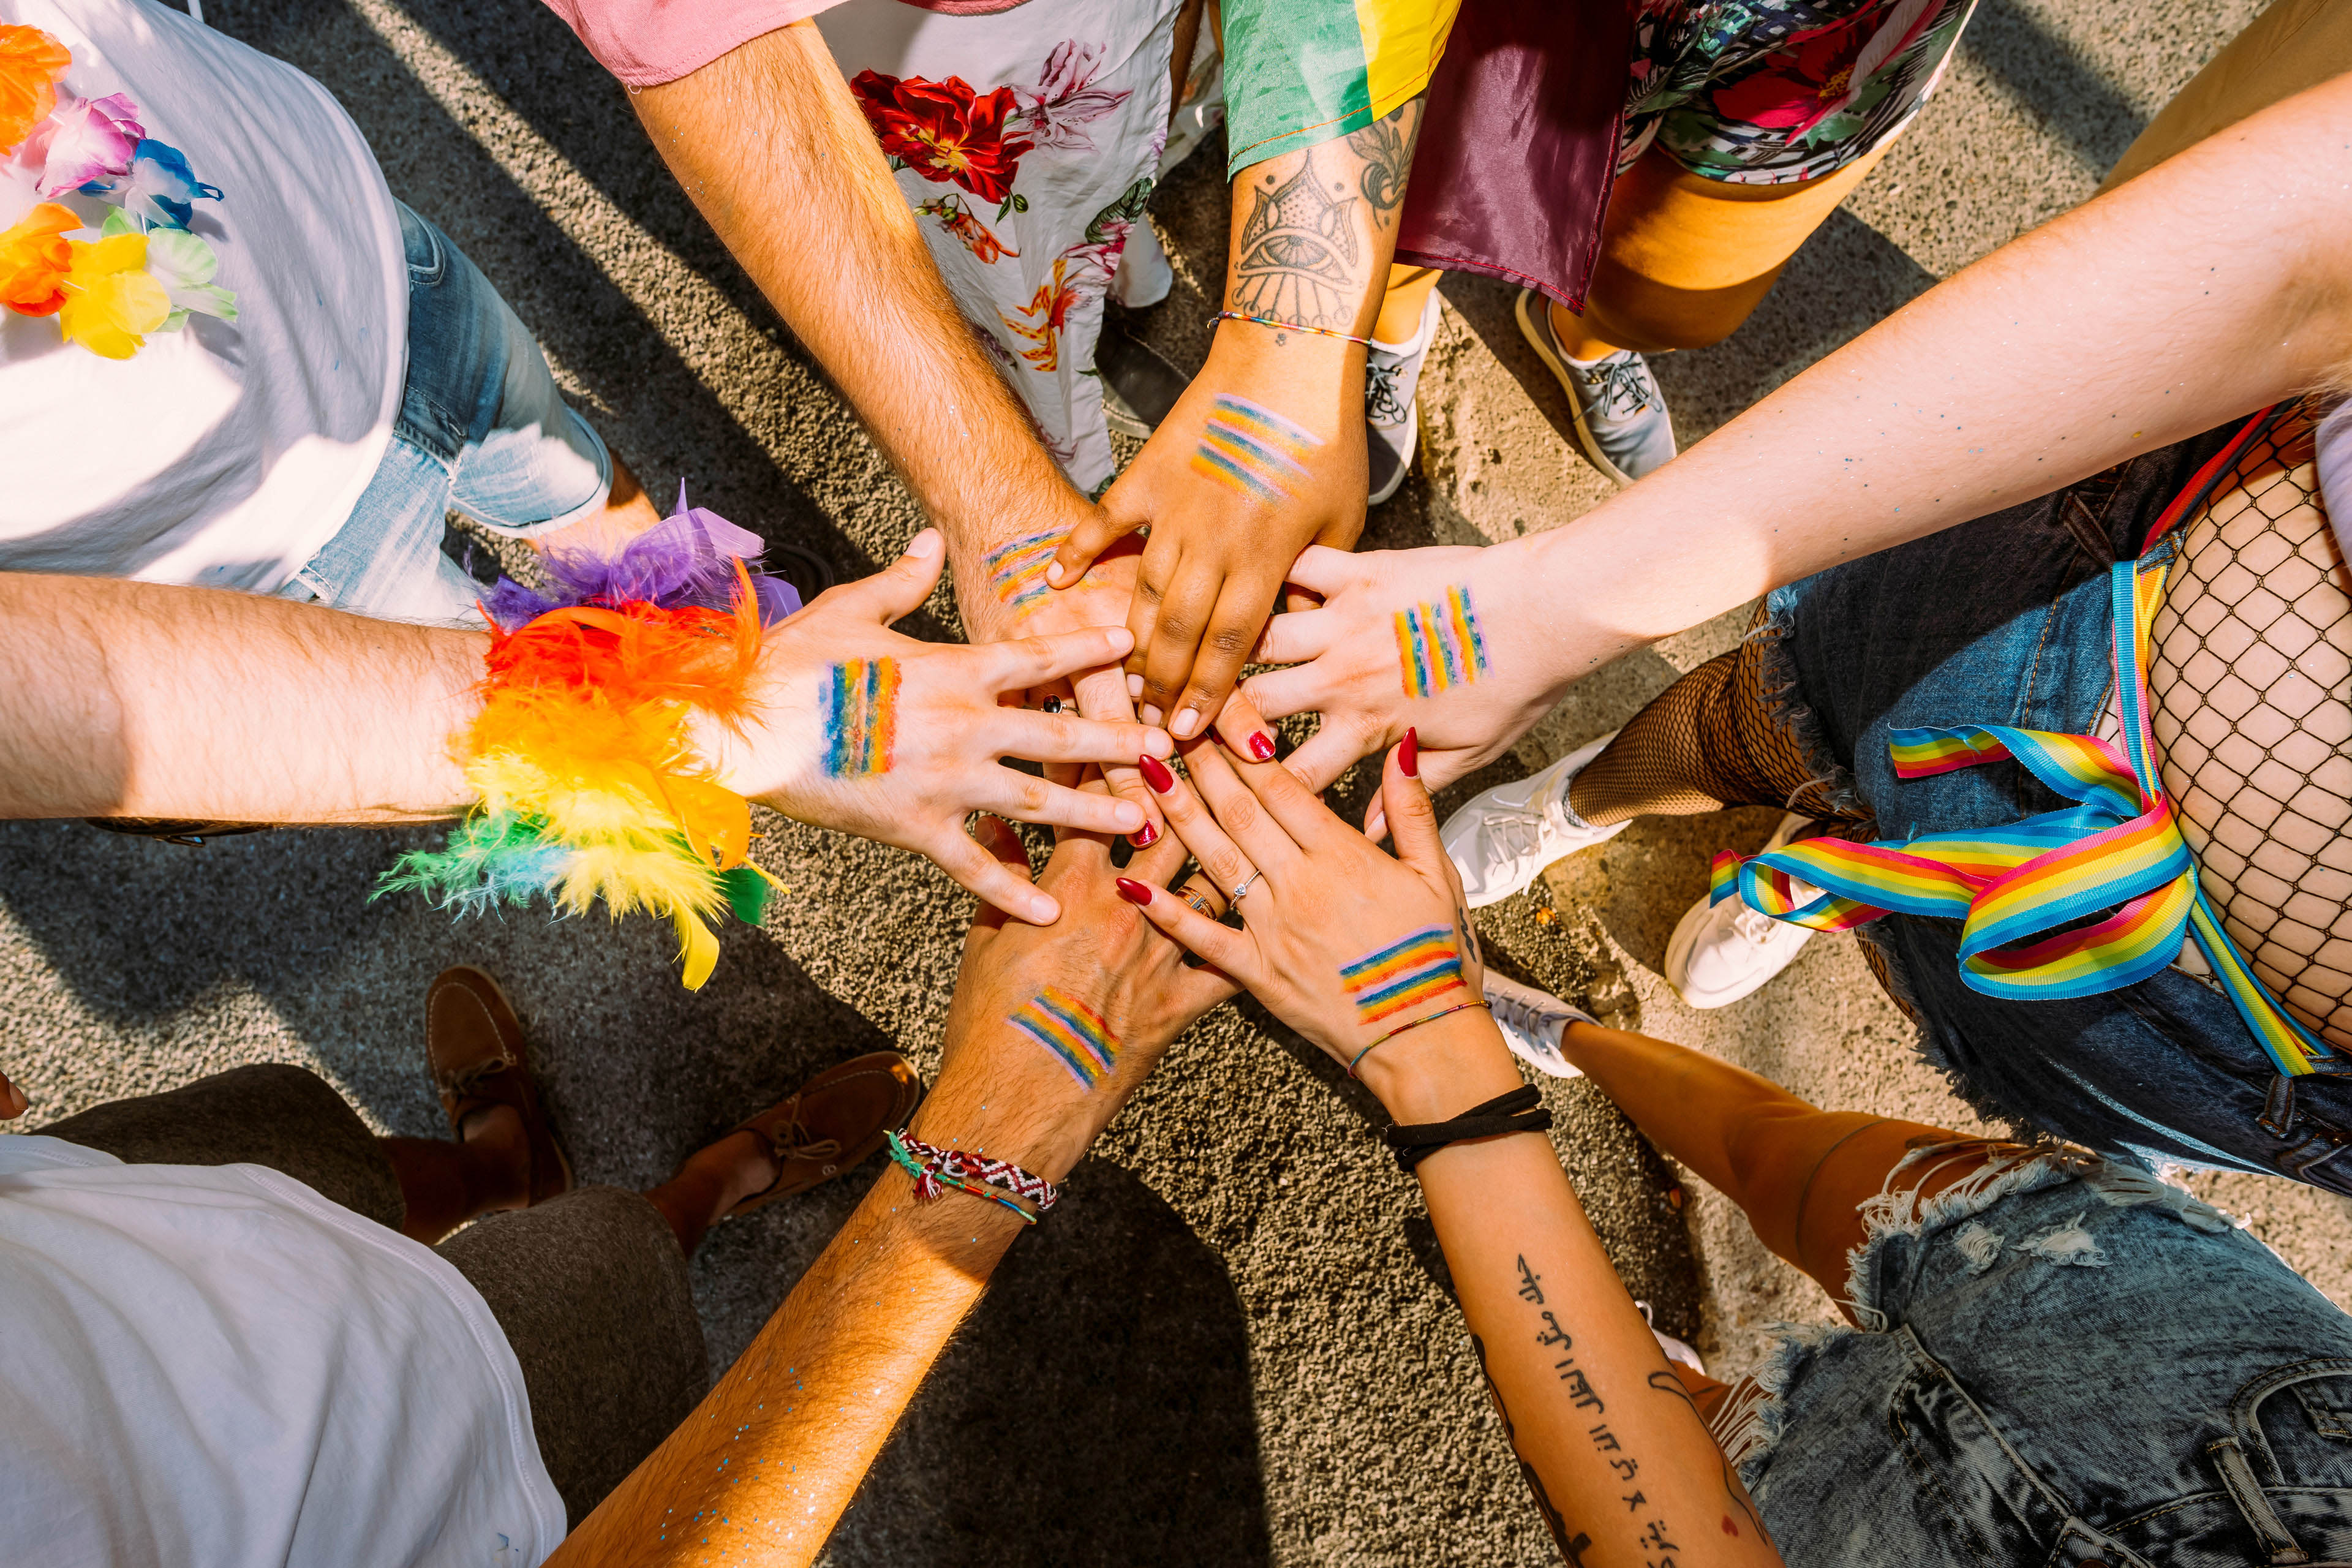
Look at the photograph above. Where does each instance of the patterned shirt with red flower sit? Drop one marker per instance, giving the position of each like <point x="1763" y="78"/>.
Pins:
<point x="1771" y="92"/>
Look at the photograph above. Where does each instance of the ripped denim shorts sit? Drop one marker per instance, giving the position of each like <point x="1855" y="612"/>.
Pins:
<point x="2064" y="1361"/>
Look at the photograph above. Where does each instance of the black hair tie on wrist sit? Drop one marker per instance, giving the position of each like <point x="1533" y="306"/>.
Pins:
<point x="1521" y="1110"/>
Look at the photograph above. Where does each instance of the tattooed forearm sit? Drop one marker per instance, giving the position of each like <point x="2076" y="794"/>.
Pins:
<point x="1300" y="258"/>
<point x="1652" y="1537"/>
<point x="1386" y="147"/>
<point x="1572" y="1547"/>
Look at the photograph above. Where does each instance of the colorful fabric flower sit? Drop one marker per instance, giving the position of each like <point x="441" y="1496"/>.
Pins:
<point x="34" y="260"/>
<point x="945" y="132"/>
<point x="161" y="188"/>
<point x="964" y="223"/>
<point x="112" y="301"/>
<point x="1066" y="99"/>
<point x="87" y="140"/>
<point x="1819" y="73"/>
<point x="183" y="265"/>
<point x="31" y="64"/>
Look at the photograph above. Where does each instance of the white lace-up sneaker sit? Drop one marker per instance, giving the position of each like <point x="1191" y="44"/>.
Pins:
<point x="1502" y="840"/>
<point x="1532" y="1022"/>
<point x="1723" y="951"/>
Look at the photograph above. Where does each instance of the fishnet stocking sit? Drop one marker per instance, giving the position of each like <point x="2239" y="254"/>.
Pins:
<point x="1705" y="742"/>
<point x="2250" y="683"/>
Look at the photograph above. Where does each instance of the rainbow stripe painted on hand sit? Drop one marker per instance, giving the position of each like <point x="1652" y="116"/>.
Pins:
<point x="1439" y="646"/>
<point x="1403" y="974"/>
<point x="1251" y="450"/>
<point x="861" y="717"/>
<point x="582" y="753"/>
<point x="1075" y="1032"/>
<point x="1017" y="570"/>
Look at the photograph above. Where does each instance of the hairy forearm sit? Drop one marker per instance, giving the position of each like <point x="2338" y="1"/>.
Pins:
<point x="2193" y="294"/>
<point x="774" y="150"/>
<point x="139" y="699"/>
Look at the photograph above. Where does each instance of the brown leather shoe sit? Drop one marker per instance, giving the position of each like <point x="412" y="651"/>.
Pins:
<point x="474" y="1045"/>
<point x="834" y="1121"/>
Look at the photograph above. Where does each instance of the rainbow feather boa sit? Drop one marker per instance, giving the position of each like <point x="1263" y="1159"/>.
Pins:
<point x="590" y="783"/>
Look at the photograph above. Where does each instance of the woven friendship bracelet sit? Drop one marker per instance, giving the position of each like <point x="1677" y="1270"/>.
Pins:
<point x="1400" y="1028"/>
<point x="937" y="1170"/>
<point x="1521" y="1110"/>
<point x="1290" y="326"/>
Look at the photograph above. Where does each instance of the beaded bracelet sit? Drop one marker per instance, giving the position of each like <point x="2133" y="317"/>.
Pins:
<point x="1400" y="1028"/>
<point x="1001" y="1181"/>
<point x="1290" y="326"/>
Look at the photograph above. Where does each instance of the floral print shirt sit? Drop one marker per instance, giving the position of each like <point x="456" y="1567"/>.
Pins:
<point x="1771" y="92"/>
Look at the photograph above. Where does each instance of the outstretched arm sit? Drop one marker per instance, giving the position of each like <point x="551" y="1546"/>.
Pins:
<point x="139" y="699"/>
<point x="2206" y="288"/>
<point x="772" y="148"/>
<point x="775" y="1452"/>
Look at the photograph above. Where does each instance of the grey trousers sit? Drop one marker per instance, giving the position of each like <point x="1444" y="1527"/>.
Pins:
<point x="591" y="1288"/>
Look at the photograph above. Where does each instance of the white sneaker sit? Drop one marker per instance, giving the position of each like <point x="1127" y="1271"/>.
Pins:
<point x="1722" y="952"/>
<point x="1677" y="1351"/>
<point x="1504" y="838"/>
<point x="1532" y="1022"/>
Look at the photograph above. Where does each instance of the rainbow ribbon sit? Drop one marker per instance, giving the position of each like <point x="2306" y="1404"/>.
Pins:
<point x="2119" y="848"/>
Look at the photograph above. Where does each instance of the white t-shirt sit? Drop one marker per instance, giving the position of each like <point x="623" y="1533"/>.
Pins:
<point x="210" y="1365"/>
<point x="225" y="454"/>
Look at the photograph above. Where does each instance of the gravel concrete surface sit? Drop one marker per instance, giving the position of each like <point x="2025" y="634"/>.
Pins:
<point x="1235" y="1344"/>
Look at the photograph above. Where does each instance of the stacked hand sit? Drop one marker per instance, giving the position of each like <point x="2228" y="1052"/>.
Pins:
<point x="1232" y="488"/>
<point x="1344" y="943"/>
<point x="872" y="732"/>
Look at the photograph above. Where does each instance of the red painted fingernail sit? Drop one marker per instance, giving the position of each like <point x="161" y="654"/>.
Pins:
<point x="1144" y="837"/>
<point x="1156" y="774"/>
<point x="1409" y="755"/>
<point x="1133" y="892"/>
<point x="1262" y="748"/>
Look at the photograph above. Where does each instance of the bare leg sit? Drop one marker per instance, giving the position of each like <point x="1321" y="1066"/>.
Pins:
<point x="711" y="1182"/>
<point x="1401" y="307"/>
<point x="1799" y="1173"/>
<point x="446" y="1183"/>
<point x="627" y="512"/>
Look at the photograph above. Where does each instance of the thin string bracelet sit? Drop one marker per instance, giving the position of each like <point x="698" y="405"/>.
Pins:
<point x="1290" y="327"/>
<point x="1400" y="1028"/>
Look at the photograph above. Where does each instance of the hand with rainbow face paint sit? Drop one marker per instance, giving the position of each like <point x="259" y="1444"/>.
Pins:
<point x="864" y="729"/>
<point x="1446" y="641"/>
<point x="1346" y="944"/>
<point x="1259" y="459"/>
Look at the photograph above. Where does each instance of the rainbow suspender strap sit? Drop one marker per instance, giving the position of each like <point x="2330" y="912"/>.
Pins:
<point x="2119" y="849"/>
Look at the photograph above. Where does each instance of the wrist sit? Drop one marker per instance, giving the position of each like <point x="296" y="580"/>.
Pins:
<point x="1438" y="1070"/>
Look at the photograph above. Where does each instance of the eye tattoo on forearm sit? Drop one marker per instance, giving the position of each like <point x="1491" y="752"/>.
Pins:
<point x="1439" y="646"/>
<point x="1403" y="975"/>
<point x="860" y="701"/>
<point x="1074" y="1034"/>
<point x="1254" y="451"/>
<point x="1016" y="570"/>
<point x="1299" y="259"/>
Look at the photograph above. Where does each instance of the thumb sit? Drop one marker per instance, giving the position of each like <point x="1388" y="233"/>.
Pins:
<point x="1105" y="525"/>
<point x="1410" y="816"/>
<point x="899" y="588"/>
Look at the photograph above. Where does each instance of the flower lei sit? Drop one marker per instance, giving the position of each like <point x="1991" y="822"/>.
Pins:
<point x="145" y="272"/>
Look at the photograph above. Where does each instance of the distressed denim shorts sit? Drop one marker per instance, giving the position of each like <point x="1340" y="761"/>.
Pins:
<point x="482" y="430"/>
<point x="2005" y="620"/>
<point x="2063" y="1361"/>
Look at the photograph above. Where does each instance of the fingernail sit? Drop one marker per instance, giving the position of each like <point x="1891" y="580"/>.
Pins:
<point x="1261" y="747"/>
<point x="1150" y="714"/>
<point x="1409" y="755"/>
<point x="1134" y="687"/>
<point x="1044" y="911"/>
<point x="1053" y="574"/>
<point x="925" y="543"/>
<point x="1145" y="837"/>
<point x="1186" y="723"/>
<point x="1156" y="774"/>
<point x="1133" y="892"/>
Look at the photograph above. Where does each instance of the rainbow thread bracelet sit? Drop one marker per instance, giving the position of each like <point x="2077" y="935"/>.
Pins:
<point x="1290" y="327"/>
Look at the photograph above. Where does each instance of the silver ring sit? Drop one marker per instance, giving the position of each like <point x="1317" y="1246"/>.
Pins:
<point x="1235" y="897"/>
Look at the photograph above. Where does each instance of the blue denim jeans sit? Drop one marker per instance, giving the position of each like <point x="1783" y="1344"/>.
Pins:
<point x="482" y="430"/>
<point x="2005" y="620"/>
<point x="2062" y="1361"/>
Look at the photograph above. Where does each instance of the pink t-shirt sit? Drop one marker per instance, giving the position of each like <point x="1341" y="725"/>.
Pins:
<point x="647" y="42"/>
